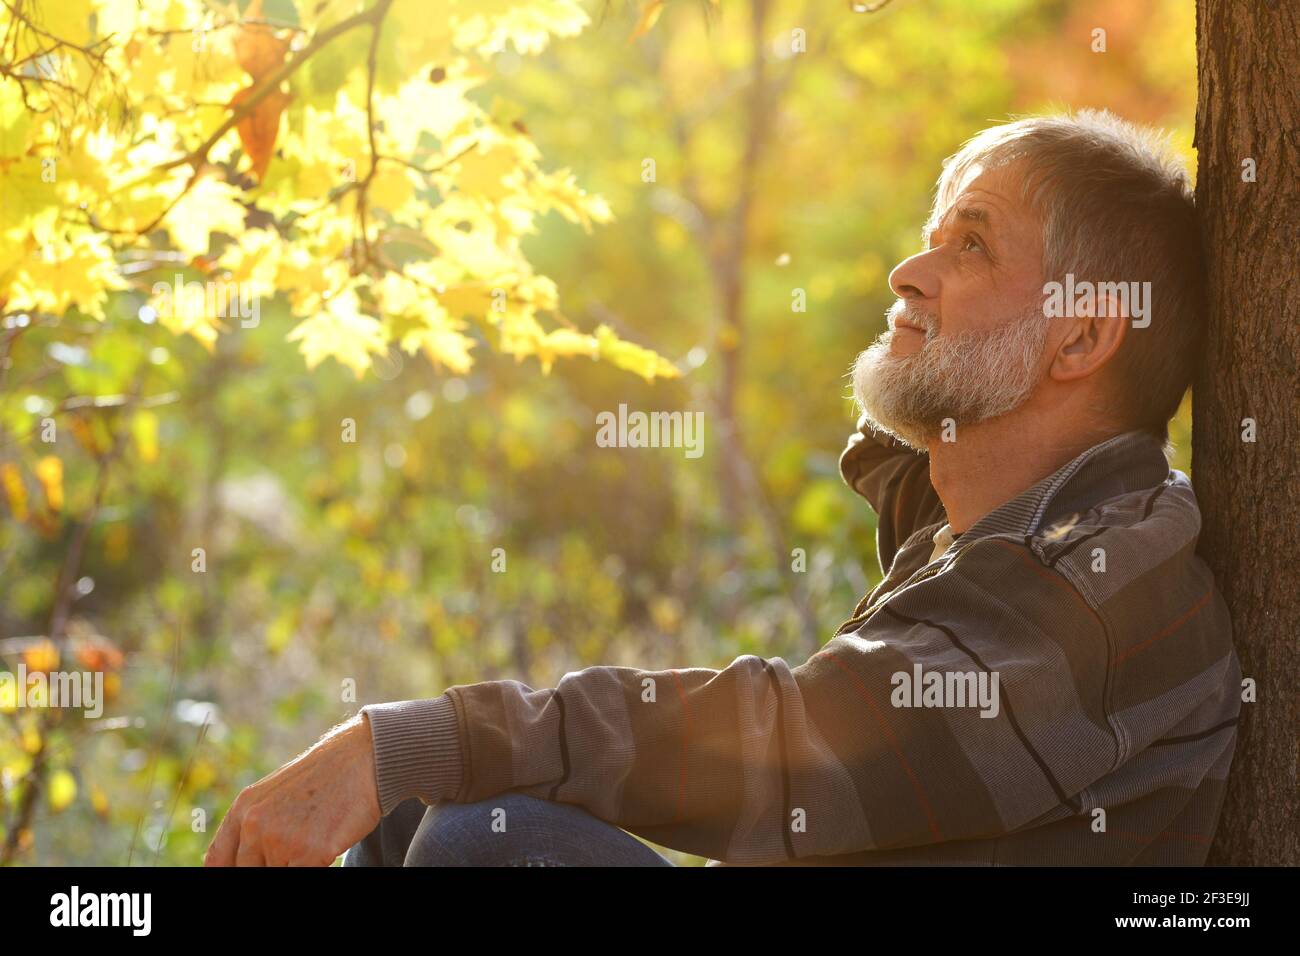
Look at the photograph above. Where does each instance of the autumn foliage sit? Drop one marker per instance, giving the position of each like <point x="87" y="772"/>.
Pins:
<point x="338" y="161"/>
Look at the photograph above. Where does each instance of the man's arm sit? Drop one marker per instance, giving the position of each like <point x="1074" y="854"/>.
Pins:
<point x="760" y="762"/>
<point x="895" y="480"/>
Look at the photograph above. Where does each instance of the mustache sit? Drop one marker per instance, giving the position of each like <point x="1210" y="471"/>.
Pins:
<point x="911" y="314"/>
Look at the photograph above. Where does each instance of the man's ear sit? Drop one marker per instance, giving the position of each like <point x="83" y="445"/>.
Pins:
<point x="1090" y="340"/>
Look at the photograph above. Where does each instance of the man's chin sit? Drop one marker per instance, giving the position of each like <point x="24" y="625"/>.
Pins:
<point x="879" y="377"/>
<point x="915" y="438"/>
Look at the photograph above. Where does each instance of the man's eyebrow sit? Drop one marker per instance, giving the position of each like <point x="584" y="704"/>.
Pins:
<point x="975" y="214"/>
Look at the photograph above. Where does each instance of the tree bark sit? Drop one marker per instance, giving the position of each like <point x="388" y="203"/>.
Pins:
<point x="1248" y="54"/>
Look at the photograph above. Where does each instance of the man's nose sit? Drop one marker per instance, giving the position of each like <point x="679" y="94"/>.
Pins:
<point x="916" y="277"/>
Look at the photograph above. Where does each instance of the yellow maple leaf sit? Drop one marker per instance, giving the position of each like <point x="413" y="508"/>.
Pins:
<point x="341" y="332"/>
<point x="634" y="358"/>
<point x="68" y="20"/>
<point x="527" y="24"/>
<point x="65" y="273"/>
<point x="442" y="345"/>
<point x="565" y="342"/>
<point x="490" y="173"/>
<point x="392" y="187"/>
<point x="211" y="205"/>
<point x="183" y="309"/>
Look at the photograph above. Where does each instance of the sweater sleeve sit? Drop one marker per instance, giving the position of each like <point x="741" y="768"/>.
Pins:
<point x="895" y="481"/>
<point x="761" y="762"/>
<point x="417" y="750"/>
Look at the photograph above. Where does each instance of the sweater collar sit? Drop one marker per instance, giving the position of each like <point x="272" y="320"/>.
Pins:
<point x="1126" y="462"/>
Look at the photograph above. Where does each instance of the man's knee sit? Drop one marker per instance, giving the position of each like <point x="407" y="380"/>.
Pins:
<point x="515" y="829"/>
<point x="508" y="830"/>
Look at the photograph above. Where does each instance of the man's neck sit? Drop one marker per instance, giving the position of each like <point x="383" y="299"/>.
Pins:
<point x="991" y="462"/>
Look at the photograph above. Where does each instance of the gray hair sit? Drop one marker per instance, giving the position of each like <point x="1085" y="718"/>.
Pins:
<point x="1115" y="205"/>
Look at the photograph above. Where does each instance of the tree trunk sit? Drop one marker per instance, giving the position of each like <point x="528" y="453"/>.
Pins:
<point x="1248" y="108"/>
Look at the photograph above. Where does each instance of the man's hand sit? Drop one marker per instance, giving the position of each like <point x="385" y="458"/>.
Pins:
<point x="307" y="812"/>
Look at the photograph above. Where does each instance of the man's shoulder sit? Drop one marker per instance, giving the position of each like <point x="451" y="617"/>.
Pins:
<point x="1143" y="535"/>
<point x="1130" y="560"/>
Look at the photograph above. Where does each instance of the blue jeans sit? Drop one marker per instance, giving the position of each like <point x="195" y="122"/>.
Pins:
<point x="507" y="830"/>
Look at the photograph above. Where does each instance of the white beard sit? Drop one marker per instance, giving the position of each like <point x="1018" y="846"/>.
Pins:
<point x="966" y="377"/>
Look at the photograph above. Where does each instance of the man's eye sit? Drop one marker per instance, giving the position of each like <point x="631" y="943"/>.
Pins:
<point x="971" y="240"/>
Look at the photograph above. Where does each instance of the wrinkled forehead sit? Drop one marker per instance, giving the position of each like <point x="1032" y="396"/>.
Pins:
<point x="1005" y="176"/>
<point x="993" y="149"/>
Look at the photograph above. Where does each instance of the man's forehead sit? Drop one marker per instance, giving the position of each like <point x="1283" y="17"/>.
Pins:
<point x="986" y="197"/>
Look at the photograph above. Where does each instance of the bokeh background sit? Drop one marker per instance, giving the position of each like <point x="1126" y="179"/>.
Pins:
<point x="330" y="562"/>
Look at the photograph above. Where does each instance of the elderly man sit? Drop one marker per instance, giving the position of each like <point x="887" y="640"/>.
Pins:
<point x="1045" y="675"/>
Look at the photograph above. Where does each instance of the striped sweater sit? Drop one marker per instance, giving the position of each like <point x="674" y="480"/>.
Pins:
<point x="1056" y="686"/>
